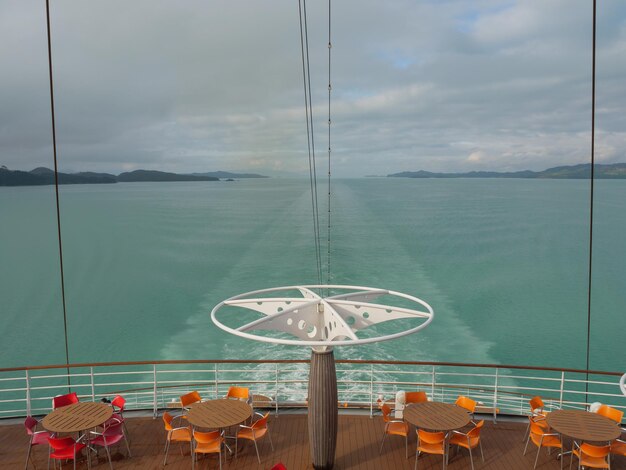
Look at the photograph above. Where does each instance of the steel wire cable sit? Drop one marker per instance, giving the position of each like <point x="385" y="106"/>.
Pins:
<point x="56" y="188"/>
<point x="306" y="73"/>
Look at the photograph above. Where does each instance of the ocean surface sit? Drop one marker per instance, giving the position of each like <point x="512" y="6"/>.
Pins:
<point x="503" y="263"/>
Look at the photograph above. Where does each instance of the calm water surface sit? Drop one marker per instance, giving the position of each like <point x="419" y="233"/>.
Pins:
<point x="504" y="263"/>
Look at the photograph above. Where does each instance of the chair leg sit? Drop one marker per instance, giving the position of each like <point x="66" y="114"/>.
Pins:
<point x="109" y="456"/>
<point x="270" y="436"/>
<point x="382" y="443"/>
<point x="417" y="454"/>
<point x="480" y="443"/>
<point x="257" y="452"/>
<point x="526" y="446"/>
<point x="127" y="446"/>
<point x="471" y="457"/>
<point x="406" y="446"/>
<point x="167" y="449"/>
<point x="537" y="458"/>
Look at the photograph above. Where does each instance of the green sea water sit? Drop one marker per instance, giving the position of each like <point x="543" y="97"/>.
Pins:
<point x="504" y="264"/>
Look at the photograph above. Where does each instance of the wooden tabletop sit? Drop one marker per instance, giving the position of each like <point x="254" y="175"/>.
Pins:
<point x="217" y="414"/>
<point x="583" y="425"/>
<point x="436" y="416"/>
<point x="77" y="417"/>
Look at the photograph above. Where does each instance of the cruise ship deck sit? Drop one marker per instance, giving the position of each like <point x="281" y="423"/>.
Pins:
<point x="358" y="443"/>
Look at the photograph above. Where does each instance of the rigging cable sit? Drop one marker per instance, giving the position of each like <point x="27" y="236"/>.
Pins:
<point x="593" y="138"/>
<point x="306" y="73"/>
<point x="56" y="189"/>
<point x="328" y="280"/>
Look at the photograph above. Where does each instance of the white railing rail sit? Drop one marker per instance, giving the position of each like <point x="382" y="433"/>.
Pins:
<point x="157" y="385"/>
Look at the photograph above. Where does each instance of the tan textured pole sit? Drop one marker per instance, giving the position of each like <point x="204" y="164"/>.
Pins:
<point x="323" y="410"/>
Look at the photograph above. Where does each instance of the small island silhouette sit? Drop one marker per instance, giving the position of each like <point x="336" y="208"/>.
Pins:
<point x="45" y="176"/>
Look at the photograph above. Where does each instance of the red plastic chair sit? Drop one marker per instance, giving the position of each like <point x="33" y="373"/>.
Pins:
<point x="110" y="436"/>
<point x="118" y="405"/>
<point x="279" y="466"/>
<point x="65" y="448"/>
<point x="64" y="400"/>
<point x="36" y="437"/>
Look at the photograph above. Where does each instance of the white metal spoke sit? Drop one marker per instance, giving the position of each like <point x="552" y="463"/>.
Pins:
<point x="323" y="322"/>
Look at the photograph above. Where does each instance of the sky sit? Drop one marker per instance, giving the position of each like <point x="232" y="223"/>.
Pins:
<point x="194" y="86"/>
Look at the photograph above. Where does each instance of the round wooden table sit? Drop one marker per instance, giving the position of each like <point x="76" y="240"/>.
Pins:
<point x="436" y="416"/>
<point x="583" y="425"/>
<point x="77" y="417"/>
<point x="218" y="414"/>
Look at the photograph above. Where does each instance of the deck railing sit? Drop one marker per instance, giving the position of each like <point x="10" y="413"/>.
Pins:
<point x="499" y="389"/>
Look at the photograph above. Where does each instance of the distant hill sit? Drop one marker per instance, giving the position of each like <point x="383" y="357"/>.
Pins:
<point x="45" y="176"/>
<point x="581" y="171"/>
<point x="152" y="175"/>
<point x="228" y="174"/>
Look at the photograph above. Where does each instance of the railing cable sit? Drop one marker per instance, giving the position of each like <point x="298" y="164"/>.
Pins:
<point x="593" y="136"/>
<point x="306" y="74"/>
<point x="56" y="190"/>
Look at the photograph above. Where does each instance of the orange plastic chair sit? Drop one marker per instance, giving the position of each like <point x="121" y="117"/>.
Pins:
<point x="611" y="413"/>
<point x="590" y="456"/>
<point x="65" y="448"/>
<point x="618" y="447"/>
<point x="431" y="443"/>
<point x="537" y="411"/>
<point x="239" y="393"/>
<point x="253" y="433"/>
<point x="189" y="398"/>
<point x="64" y="400"/>
<point x="416" y="397"/>
<point x="469" y="440"/>
<point x="394" y="427"/>
<point x="206" y="443"/>
<point x="468" y="404"/>
<point x="541" y="438"/>
<point x="179" y="434"/>
<point x="36" y="437"/>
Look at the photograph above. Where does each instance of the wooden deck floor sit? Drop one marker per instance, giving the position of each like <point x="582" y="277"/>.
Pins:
<point x="357" y="448"/>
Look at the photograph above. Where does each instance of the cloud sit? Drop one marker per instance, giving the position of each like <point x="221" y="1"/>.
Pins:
<point x="193" y="86"/>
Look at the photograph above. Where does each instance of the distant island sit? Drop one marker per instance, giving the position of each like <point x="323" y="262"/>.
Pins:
<point x="45" y="176"/>
<point x="581" y="171"/>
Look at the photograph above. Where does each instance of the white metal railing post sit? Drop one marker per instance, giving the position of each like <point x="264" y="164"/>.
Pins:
<point x="276" y="389"/>
<point x="27" y="394"/>
<point x="155" y="406"/>
<point x="371" y="390"/>
<point x="216" y="381"/>
<point x="433" y="384"/>
<point x="93" y="386"/>
<point x="562" y="387"/>
<point x="495" y="396"/>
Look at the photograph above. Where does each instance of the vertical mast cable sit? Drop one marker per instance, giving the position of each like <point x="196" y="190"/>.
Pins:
<point x="304" y="46"/>
<point x="56" y="189"/>
<point x="330" y="46"/>
<point x="593" y="139"/>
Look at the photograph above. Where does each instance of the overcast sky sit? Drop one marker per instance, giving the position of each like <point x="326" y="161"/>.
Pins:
<point x="217" y="85"/>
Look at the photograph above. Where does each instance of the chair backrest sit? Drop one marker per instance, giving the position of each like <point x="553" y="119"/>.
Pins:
<point x="167" y="420"/>
<point x="58" y="443"/>
<point x="431" y="437"/>
<point x="30" y="423"/>
<point x="416" y="397"/>
<point x="475" y="431"/>
<point x="537" y="429"/>
<point x="206" y="437"/>
<point x="119" y="402"/>
<point x="114" y="430"/>
<point x="261" y="422"/>
<point x="240" y="393"/>
<point x="595" y="451"/>
<point x="611" y="413"/>
<point x="536" y="403"/>
<point x="189" y="398"/>
<point x="467" y="403"/>
<point x="64" y="400"/>
<point x="386" y="410"/>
